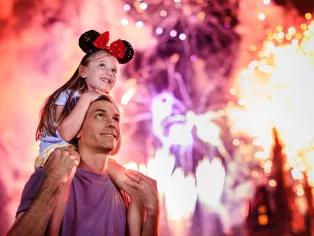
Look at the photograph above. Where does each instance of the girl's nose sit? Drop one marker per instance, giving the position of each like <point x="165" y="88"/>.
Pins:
<point x="110" y="72"/>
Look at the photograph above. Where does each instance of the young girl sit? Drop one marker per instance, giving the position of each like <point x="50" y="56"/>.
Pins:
<point x="64" y="111"/>
<point x="95" y="75"/>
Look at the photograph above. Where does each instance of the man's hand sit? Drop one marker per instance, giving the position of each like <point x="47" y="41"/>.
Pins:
<point x="62" y="164"/>
<point x="147" y="191"/>
<point x="148" y="194"/>
<point x="117" y="174"/>
<point x="61" y="168"/>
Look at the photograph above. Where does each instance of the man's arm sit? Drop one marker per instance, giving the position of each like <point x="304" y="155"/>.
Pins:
<point x="117" y="174"/>
<point x="59" y="171"/>
<point x="150" y="226"/>
<point x="151" y="205"/>
<point x="34" y="220"/>
<point x="148" y="194"/>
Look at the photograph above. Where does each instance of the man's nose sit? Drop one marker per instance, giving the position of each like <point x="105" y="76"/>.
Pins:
<point x="110" y="124"/>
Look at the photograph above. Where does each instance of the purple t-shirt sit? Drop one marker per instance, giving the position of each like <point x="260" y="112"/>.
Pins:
<point x="95" y="206"/>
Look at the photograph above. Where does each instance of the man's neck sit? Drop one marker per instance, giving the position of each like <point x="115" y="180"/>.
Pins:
<point x="91" y="161"/>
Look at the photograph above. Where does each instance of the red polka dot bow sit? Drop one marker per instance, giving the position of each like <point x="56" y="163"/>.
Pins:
<point x="116" y="48"/>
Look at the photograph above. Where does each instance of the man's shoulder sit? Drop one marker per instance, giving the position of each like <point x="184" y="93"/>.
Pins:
<point x="37" y="175"/>
<point x="31" y="189"/>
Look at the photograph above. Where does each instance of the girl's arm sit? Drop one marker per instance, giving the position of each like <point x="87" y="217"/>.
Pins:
<point x="70" y="125"/>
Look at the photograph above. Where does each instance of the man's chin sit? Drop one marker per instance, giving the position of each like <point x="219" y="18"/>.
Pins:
<point x="106" y="149"/>
<point x="107" y="144"/>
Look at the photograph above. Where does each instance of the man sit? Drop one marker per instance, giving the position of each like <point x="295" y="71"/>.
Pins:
<point x="73" y="195"/>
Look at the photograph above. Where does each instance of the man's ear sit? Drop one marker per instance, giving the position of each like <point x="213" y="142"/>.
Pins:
<point x="82" y="71"/>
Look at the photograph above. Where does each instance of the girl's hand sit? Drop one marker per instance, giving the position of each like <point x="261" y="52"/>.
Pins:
<point x="91" y="95"/>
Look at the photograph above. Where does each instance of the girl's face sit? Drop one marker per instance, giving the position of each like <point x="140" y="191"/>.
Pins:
<point x="100" y="71"/>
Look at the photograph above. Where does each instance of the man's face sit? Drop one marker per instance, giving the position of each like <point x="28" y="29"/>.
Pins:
<point x="100" y="130"/>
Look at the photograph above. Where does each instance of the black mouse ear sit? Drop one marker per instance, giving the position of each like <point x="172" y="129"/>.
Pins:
<point x="128" y="53"/>
<point x="86" y="41"/>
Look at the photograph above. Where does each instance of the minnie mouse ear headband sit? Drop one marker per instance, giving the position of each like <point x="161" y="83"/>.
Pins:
<point x="92" y="41"/>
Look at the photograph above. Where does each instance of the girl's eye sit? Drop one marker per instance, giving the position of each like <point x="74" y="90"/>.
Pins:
<point x="114" y="70"/>
<point x="116" y="119"/>
<point x="101" y="64"/>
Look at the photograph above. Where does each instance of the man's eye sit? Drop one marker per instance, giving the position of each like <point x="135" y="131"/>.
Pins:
<point x="101" y="64"/>
<point x="116" y="119"/>
<point x="99" y="115"/>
